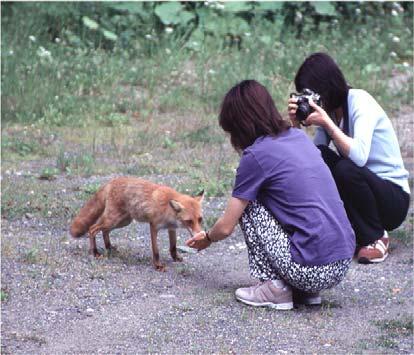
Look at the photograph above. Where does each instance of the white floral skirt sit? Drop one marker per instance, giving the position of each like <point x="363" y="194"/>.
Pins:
<point x="268" y="248"/>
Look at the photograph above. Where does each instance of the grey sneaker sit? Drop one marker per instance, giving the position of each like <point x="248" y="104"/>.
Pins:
<point x="306" y="298"/>
<point x="266" y="294"/>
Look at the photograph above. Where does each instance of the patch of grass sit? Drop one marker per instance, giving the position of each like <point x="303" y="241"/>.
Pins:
<point x="183" y="269"/>
<point x="30" y="197"/>
<point x="402" y="235"/>
<point x="4" y="295"/>
<point x="80" y="162"/>
<point x="385" y="341"/>
<point x="114" y="118"/>
<point x="222" y="297"/>
<point x="398" y="326"/>
<point x="28" y="338"/>
<point x="142" y="169"/>
<point x="31" y="256"/>
<point x="49" y="173"/>
<point x="392" y="330"/>
<point x="206" y="134"/>
<point x="91" y="188"/>
<point x="20" y="146"/>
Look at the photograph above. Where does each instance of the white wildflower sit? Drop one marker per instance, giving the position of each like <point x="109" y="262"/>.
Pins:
<point x="169" y="29"/>
<point x="396" y="39"/>
<point x="168" y="51"/>
<point x="394" y="12"/>
<point x="32" y="38"/>
<point x="44" y="53"/>
<point x="247" y="34"/>
<point x="220" y="6"/>
<point x="148" y="36"/>
<point x="405" y="65"/>
<point x="57" y="40"/>
<point x="393" y="55"/>
<point x="298" y="17"/>
<point x="358" y="11"/>
<point x="11" y="52"/>
<point x="212" y="71"/>
<point x="397" y="7"/>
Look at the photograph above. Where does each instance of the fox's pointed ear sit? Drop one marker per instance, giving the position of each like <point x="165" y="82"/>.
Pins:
<point x="177" y="207"/>
<point x="200" y="196"/>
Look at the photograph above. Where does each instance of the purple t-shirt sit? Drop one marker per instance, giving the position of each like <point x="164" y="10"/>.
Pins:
<point x="288" y="175"/>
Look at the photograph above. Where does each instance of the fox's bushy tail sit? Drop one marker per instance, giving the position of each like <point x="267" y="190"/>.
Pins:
<point x="88" y="214"/>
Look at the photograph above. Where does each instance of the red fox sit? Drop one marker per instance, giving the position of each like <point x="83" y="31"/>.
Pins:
<point x="124" y="199"/>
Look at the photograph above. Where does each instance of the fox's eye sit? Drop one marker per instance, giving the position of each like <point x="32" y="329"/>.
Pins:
<point x="200" y="220"/>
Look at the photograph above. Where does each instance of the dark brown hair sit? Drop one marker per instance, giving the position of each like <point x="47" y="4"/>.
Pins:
<point x="320" y="73"/>
<point x="248" y="112"/>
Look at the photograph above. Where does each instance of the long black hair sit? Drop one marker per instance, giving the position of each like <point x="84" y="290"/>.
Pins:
<point x="320" y="73"/>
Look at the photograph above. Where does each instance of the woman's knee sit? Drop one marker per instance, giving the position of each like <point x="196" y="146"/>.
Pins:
<point x="344" y="172"/>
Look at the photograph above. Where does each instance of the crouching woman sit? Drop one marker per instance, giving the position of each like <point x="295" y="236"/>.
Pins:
<point x="298" y="237"/>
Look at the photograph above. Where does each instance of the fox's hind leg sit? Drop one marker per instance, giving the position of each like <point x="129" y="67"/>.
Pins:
<point x="173" y="245"/>
<point x="93" y="231"/>
<point x="105" y="233"/>
<point x="105" y="223"/>
<point x="107" y="242"/>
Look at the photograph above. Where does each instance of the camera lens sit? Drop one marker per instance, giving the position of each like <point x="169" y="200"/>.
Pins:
<point x="303" y="111"/>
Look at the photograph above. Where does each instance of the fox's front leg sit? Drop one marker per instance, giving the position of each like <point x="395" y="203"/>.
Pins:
<point x="93" y="250"/>
<point x="173" y="245"/>
<point x="155" y="251"/>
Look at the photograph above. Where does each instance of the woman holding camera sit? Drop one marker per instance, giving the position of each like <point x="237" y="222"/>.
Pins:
<point x="298" y="237"/>
<point x="368" y="169"/>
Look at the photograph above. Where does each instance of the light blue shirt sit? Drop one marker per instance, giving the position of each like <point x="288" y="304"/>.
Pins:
<point x="375" y="143"/>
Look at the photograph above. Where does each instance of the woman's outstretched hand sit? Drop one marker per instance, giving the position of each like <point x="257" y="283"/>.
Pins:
<point x="198" y="241"/>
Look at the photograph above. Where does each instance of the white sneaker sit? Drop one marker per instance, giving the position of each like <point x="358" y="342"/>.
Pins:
<point x="266" y="294"/>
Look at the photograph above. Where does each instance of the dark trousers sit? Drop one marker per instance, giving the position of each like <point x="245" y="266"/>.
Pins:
<point x="371" y="203"/>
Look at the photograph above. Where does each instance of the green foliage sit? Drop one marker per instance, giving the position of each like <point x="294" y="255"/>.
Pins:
<point x="49" y="173"/>
<point x="20" y="146"/>
<point x="63" y="64"/>
<point x="29" y="197"/>
<point x="4" y="296"/>
<point x="81" y="163"/>
<point x="31" y="256"/>
<point x="203" y="134"/>
<point x="324" y="8"/>
<point x="393" y="329"/>
<point x="172" y="13"/>
<point x="91" y="188"/>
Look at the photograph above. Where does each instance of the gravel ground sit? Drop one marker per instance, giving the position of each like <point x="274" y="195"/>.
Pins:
<point x="58" y="300"/>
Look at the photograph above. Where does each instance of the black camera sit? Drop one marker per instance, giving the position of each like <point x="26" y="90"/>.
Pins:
<point x="304" y="109"/>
